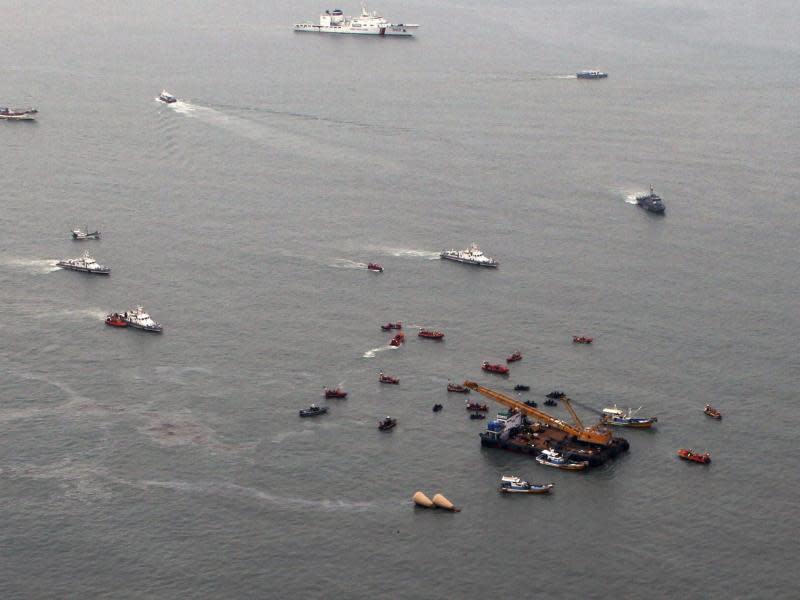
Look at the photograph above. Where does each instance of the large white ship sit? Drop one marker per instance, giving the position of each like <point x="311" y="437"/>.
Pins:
<point x="369" y="23"/>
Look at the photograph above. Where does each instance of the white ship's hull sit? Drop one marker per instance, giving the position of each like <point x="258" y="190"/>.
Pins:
<point x="468" y="261"/>
<point x="395" y="30"/>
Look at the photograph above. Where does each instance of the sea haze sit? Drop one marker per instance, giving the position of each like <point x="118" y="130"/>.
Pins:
<point x="241" y="217"/>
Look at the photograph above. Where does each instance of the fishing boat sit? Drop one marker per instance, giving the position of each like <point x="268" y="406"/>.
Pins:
<point x="313" y="411"/>
<point x="490" y="368"/>
<point x="625" y="418"/>
<point x="531" y="403"/>
<point x="116" y="320"/>
<point x="476" y="406"/>
<point x="430" y="334"/>
<point x="522" y="388"/>
<point x="551" y="458"/>
<point x="692" y="456"/>
<point x="336" y="392"/>
<point x="166" y="97"/>
<point x="390" y="326"/>
<point x="511" y="484"/>
<point x="80" y="236"/>
<point x="398" y="339"/>
<point x="387" y="379"/>
<point x="556" y="395"/>
<point x="514" y="357"/>
<point x="375" y="268"/>
<point x="437" y="407"/>
<point x="477" y="416"/>
<point x="457" y="389"/>
<point x="387" y="423"/>
<point x="550" y="402"/>
<point x="581" y="339"/>
<point x="712" y="412"/>
<point x="591" y="75"/>
<point x="17" y="114"/>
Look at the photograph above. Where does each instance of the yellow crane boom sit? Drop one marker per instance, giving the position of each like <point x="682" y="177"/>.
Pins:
<point x="592" y="435"/>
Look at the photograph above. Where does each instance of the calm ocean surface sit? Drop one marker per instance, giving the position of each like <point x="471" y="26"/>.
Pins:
<point x="175" y="466"/>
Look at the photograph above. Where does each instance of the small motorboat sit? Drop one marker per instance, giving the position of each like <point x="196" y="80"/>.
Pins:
<point x="313" y="411"/>
<point x="387" y="379"/>
<point x="514" y="357"/>
<point x="166" y="97"/>
<point x="625" y="418"/>
<point x="511" y="484"/>
<point x="581" y="339"/>
<point x="387" y="423"/>
<point x="550" y="402"/>
<point x="457" y="389"/>
<point x="522" y="388"/>
<point x="531" y="403"/>
<point x="476" y="416"/>
<point x="687" y="454"/>
<point x="398" y="339"/>
<point x="476" y="406"/>
<point x="437" y="407"/>
<point x="591" y="75"/>
<point x="335" y="393"/>
<point x="490" y="368"/>
<point x="430" y="334"/>
<point x="116" y="320"/>
<point x="17" y="114"/>
<point x="551" y="458"/>
<point x="80" y="236"/>
<point x="556" y="395"/>
<point x="390" y="326"/>
<point x="375" y="268"/>
<point x="712" y="412"/>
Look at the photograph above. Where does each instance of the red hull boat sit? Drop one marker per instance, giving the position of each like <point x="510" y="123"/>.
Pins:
<point x="386" y="379"/>
<point x="477" y="407"/>
<point x="712" y="412"/>
<point x="580" y="339"/>
<point x="398" y="339"/>
<point x="490" y="368"/>
<point x="375" y="267"/>
<point x="116" y="320"/>
<point x="686" y="454"/>
<point x="430" y="334"/>
<point x="390" y="326"/>
<point x="337" y="393"/>
<point x="514" y="357"/>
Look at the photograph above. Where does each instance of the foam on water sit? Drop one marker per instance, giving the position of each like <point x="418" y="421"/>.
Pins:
<point x="37" y="266"/>
<point x="371" y="353"/>
<point x="345" y="263"/>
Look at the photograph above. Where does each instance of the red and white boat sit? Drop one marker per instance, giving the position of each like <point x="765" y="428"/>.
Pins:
<point x="387" y="379"/>
<point x="490" y="368"/>
<point x="687" y="454"/>
<point x="430" y="334"/>
<point x="335" y="393"/>
<point x="390" y="326"/>
<point x="116" y="320"/>
<point x="514" y="357"/>
<point x="581" y="339"/>
<point x="375" y="267"/>
<point x="712" y="412"/>
<point x="398" y="339"/>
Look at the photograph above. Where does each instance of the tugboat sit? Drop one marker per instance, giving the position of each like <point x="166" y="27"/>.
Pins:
<point x="457" y="389"/>
<point x="387" y="423"/>
<point x="313" y="411"/>
<point x="551" y="458"/>
<point x="651" y="202"/>
<point x="712" y="412"/>
<point x="581" y="339"/>
<point x="166" y="97"/>
<point x="398" y="339"/>
<point x="116" y="320"/>
<point x="477" y="416"/>
<point x="522" y="388"/>
<point x="687" y="454"/>
<point x="139" y="319"/>
<point x="335" y="393"/>
<point x="514" y="357"/>
<point x="386" y="379"/>
<point x="390" y="326"/>
<point x="477" y="407"/>
<point x="375" y="268"/>
<point x="80" y="236"/>
<point x="511" y="484"/>
<point x="17" y="114"/>
<point x="84" y="264"/>
<point x="591" y="75"/>
<point x="490" y="368"/>
<point x="471" y="256"/>
<point x="437" y="407"/>
<point x="621" y="418"/>
<point x="430" y="334"/>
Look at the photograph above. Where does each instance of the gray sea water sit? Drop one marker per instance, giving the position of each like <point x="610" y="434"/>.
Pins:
<point x="175" y="466"/>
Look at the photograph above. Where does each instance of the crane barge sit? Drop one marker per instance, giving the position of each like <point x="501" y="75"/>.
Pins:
<point x="531" y="431"/>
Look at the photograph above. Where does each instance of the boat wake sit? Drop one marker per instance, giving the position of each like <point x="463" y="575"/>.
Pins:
<point x="410" y="253"/>
<point x="344" y="263"/>
<point x="35" y="266"/>
<point x="565" y="76"/>
<point x="83" y="313"/>
<point x="374" y="351"/>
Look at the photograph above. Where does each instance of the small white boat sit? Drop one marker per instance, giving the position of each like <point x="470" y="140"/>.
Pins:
<point x="511" y="484"/>
<point x="166" y="97"/>
<point x="551" y="458"/>
<point x="84" y="264"/>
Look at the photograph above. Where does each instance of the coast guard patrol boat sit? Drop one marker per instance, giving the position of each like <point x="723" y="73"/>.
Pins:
<point x="369" y="23"/>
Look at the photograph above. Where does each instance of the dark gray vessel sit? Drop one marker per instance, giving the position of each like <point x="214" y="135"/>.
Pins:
<point x="651" y="202"/>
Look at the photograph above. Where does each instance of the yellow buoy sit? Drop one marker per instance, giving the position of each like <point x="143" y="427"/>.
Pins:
<point x="422" y="500"/>
<point x="444" y="503"/>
